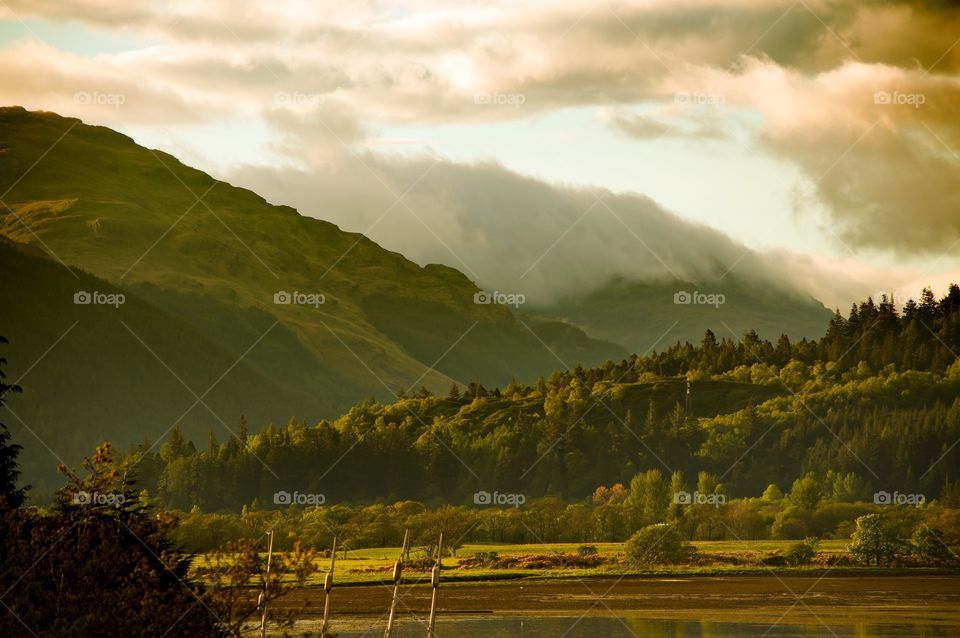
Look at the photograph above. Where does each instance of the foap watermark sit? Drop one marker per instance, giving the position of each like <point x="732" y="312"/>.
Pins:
<point x="297" y="298"/>
<point x="296" y="98"/>
<point x="516" y="100"/>
<point x="96" y="298"/>
<point x="99" y="499"/>
<point x="886" y="498"/>
<point x="892" y="296"/>
<point x="697" y="298"/>
<point x="96" y="98"/>
<point x="496" y="498"/>
<point x="896" y="98"/>
<point x="686" y="498"/>
<point x="497" y="298"/>
<point x="284" y="497"/>
<point x="698" y="98"/>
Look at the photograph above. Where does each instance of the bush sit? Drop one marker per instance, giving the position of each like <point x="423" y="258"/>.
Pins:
<point x="61" y="568"/>
<point x="486" y="559"/>
<point x="660" y="544"/>
<point x="777" y="560"/>
<point x="587" y="550"/>
<point x="802" y="553"/>
<point x="929" y="547"/>
<point x="948" y="522"/>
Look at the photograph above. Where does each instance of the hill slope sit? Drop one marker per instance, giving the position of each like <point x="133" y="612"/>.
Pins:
<point x="210" y="258"/>
<point x="125" y="373"/>
<point x="642" y="316"/>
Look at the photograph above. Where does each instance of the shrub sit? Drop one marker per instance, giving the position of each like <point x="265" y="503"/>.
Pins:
<point x="802" y="553"/>
<point x="777" y="560"/>
<point x="587" y="550"/>
<point x="658" y="544"/>
<point x="486" y="558"/>
<point x="928" y="545"/>
<point x="63" y="567"/>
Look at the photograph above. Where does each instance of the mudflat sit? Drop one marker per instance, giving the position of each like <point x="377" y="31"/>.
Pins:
<point x="803" y="599"/>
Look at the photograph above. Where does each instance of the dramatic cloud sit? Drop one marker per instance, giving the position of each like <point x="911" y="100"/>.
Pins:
<point x="878" y="143"/>
<point x="862" y="98"/>
<point x="37" y="76"/>
<point x="515" y="233"/>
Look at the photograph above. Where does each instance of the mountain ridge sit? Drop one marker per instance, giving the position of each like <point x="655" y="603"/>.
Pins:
<point x="131" y="219"/>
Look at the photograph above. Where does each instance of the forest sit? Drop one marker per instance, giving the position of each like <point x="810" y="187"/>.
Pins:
<point x="875" y="402"/>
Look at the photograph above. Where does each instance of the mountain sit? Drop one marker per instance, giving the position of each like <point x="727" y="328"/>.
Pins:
<point x="648" y="316"/>
<point x="202" y="266"/>
<point x="99" y="372"/>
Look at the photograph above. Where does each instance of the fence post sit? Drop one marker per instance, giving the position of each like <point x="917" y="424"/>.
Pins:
<point x="435" y="582"/>
<point x="397" y="575"/>
<point x="327" y="586"/>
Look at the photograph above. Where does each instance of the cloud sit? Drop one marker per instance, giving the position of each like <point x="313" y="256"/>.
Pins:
<point x="311" y="130"/>
<point x="699" y="125"/>
<point x="514" y="233"/>
<point x="879" y="146"/>
<point x="324" y="78"/>
<point x="511" y="232"/>
<point x="426" y="61"/>
<point x="38" y="76"/>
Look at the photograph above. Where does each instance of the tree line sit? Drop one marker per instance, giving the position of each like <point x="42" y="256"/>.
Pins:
<point x="698" y="509"/>
<point x="878" y="396"/>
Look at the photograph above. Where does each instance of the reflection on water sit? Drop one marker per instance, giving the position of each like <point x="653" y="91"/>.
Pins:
<point x="593" y="627"/>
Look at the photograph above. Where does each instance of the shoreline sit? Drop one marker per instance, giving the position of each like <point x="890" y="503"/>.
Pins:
<point x="793" y="599"/>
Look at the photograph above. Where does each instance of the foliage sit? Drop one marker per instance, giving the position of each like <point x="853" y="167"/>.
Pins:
<point x="929" y="545"/>
<point x="861" y="416"/>
<point x="875" y="540"/>
<point x="11" y="496"/>
<point x="660" y="544"/>
<point x="101" y="534"/>
<point x="806" y="492"/>
<point x="803" y="552"/>
<point x="235" y="573"/>
<point x="98" y="535"/>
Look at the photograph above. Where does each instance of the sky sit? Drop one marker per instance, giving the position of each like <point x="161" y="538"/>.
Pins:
<point x="548" y="146"/>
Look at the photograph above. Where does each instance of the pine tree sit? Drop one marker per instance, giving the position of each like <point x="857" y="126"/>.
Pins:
<point x="242" y="434"/>
<point x="10" y="495"/>
<point x="176" y="446"/>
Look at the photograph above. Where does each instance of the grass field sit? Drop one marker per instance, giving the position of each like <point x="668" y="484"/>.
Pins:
<point x="374" y="565"/>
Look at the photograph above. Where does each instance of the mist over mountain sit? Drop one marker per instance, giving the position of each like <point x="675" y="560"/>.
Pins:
<point x="517" y="233"/>
<point x="610" y="263"/>
<point x="501" y="317"/>
<point x="232" y="304"/>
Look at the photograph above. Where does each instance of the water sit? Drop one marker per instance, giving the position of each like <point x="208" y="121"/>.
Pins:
<point x="607" y="627"/>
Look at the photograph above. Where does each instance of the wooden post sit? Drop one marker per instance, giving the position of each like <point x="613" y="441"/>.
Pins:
<point x="266" y="586"/>
<point x="435" y="581"/>
<point x="327" y="586"/>
<point x="397" y="575"/>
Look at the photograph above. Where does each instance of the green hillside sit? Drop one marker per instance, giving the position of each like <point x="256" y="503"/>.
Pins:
<point x="205" y="257"/>
<point x="872" y="405"/>
<point x="637" y="315"/>
<point x="93" y="373"/>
